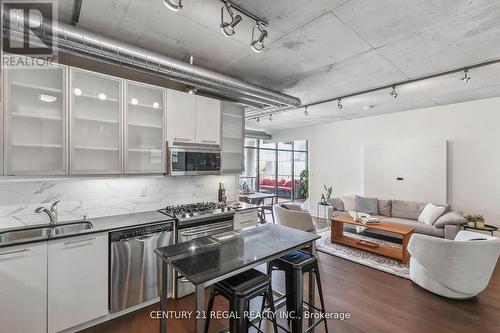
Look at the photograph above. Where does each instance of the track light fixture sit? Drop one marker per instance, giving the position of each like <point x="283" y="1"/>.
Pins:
<point x="394" y="94"/>
<point x="258" y="119"/>
<point x="173" y="6"/>
<point x="306" y="113"/>
<point x="339" y="104"/>
<point x="258" y="44"/>
<point x="228" y="27"/>
<point x="466" y="78"/>
<point x="270" y="117"/>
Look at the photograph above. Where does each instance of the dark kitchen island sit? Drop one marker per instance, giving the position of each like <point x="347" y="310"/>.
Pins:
<point x="207" y="260"/>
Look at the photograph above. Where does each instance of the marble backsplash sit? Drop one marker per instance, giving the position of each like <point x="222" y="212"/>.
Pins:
<point x="97" y="197"/>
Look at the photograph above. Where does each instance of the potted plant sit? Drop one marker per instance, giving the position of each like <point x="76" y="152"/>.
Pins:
<point x="475" y="220"/>
<point x="328" y="191"/>
<point x="304" y="184"/>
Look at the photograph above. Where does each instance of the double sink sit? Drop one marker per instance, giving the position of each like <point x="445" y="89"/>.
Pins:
<point x="44" y="231"/>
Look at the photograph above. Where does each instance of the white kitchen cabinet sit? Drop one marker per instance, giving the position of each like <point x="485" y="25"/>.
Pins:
<point x="35" y="128"/>
<point x="145" y="128"/>
<point x="95" y="123"/>
<point x="23" y="288"/>
<point x="181" y="117"/>
<point x="77" y="280"/>
<point x="207" y="120"/>
<point x="245" y="218"/>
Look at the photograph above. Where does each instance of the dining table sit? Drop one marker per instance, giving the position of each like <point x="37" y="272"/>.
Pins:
<point x="207" y="260"/>
<point x="258" y="198"/>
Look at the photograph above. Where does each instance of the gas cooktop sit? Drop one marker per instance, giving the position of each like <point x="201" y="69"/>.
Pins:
<point x="200" y="210"/>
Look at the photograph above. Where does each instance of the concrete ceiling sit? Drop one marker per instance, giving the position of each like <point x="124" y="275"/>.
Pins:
<point x="323" y="48"/>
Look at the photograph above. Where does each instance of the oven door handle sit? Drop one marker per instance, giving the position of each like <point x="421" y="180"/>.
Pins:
<point x="189" y="234"/>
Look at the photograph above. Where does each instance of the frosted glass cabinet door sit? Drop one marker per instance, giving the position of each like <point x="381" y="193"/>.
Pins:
<point x="35" y="121"/>
<point x="95" y="126"/>
<point x="145" y="129"/>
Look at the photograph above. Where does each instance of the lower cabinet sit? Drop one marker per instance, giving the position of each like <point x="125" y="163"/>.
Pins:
<point x="246" y="218"/>
<point x="23" y="288"/>
<point x="77" y="280"/>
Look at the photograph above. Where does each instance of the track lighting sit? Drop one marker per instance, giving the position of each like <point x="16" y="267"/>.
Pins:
<point x="394" y="94"/>
<point x="270" y="117"/>
<point x="306" y="113"/>
<point x="172" y="6"/>
<point x="258" y="44"/>
<point x="258" y="119"/>
<point x="228" y="27"/>
<point x="466" y="78"/>
<point x="192" y="90"/>
<point x="339" y="104"/>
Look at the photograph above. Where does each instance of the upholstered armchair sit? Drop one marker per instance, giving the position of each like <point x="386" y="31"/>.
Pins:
<point x="293" y="216"/>
<point x="459" y="268"/>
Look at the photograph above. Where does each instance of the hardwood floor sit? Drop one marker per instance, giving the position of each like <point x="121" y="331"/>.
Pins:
<point x="376" y="301"/>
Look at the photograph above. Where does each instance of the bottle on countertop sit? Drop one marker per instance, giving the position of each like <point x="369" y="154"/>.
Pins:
<point x="222" y="193"/>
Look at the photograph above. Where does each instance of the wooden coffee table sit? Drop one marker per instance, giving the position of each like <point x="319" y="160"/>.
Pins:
<point x="400" y="253"/>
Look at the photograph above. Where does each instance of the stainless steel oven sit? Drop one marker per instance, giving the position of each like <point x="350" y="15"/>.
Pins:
<point x="182" y="286"/>
<point x="194" y="160"/>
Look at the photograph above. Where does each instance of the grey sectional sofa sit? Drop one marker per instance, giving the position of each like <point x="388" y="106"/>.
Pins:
<point x="406" y="213"/>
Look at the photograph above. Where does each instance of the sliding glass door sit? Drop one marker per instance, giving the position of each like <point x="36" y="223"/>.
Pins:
<point x="276" y="167"/>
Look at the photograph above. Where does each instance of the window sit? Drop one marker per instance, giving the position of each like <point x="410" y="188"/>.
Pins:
<point x="276" y="167"/>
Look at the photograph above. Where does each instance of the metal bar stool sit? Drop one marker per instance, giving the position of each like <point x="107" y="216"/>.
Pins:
<point x="295" y="265"/>
<point x="239" y="290"/>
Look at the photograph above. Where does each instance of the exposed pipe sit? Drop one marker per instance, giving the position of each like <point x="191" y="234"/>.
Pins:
<point x="75" y="41"/>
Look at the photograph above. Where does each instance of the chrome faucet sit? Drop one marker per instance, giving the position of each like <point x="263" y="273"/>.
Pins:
<point x="52" y="213"/>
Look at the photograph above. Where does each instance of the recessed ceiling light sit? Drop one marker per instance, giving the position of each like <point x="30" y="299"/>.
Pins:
<point x="258" y="119"/>
<point x="258" y="44"/>
<point x="156" y="105"/>
<point x="173" y="6"/>
<point x="270" y="117"/>
<point x="102" y="96"/>
<point x="228" y="27"/>
<point x="134" y="101"/>
<point x="48" y="98"/>
<point x="77" y="91"/>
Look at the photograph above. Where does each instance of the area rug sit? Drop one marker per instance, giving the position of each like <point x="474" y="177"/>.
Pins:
<point x="365" y="258"/>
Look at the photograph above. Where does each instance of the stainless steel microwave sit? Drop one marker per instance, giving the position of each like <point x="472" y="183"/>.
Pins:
<point x="188" y="160"/>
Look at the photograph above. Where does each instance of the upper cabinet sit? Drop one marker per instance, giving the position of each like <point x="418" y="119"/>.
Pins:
<point x="192" y="119"/>
<point x="95" y="123"/>
<point x="35" y="111"/>
<point x="207" y="120"/>
<point x="233" y="137"/>
<point x="145" y="128"/>
<point x="181" y="117"/>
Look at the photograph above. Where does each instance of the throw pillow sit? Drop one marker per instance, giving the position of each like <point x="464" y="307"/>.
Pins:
<point x="450" y="218"/>
<point x="431" y="213"/>
<point x="384" y="207"/>
<point x="366" y="205"/>
<point x="349" y="203"/>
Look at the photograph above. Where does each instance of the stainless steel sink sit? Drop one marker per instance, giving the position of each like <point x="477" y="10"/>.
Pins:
<point x="43" y="232"/>
<point x="24" y="234"/>
<point x="72" y="227"/>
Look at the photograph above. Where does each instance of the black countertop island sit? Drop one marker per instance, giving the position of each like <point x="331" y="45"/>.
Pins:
<point x="207" y="260"/>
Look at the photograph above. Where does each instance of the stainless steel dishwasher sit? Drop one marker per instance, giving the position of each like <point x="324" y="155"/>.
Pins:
<point x="135" y="269"/>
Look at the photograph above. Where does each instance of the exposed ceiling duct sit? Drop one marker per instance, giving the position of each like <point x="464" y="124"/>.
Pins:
<point x="71" y="40"/>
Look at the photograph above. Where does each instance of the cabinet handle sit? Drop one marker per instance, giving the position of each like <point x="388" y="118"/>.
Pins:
<point x="79" y="241"/>
<point x="13" y="252"/>
<point x="208" y="141"/>
<point x="181" y="139"/>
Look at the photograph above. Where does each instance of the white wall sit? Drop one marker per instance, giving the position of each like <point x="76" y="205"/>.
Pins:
<point x="473" y="132"/>
<point x="103" y="196"/>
